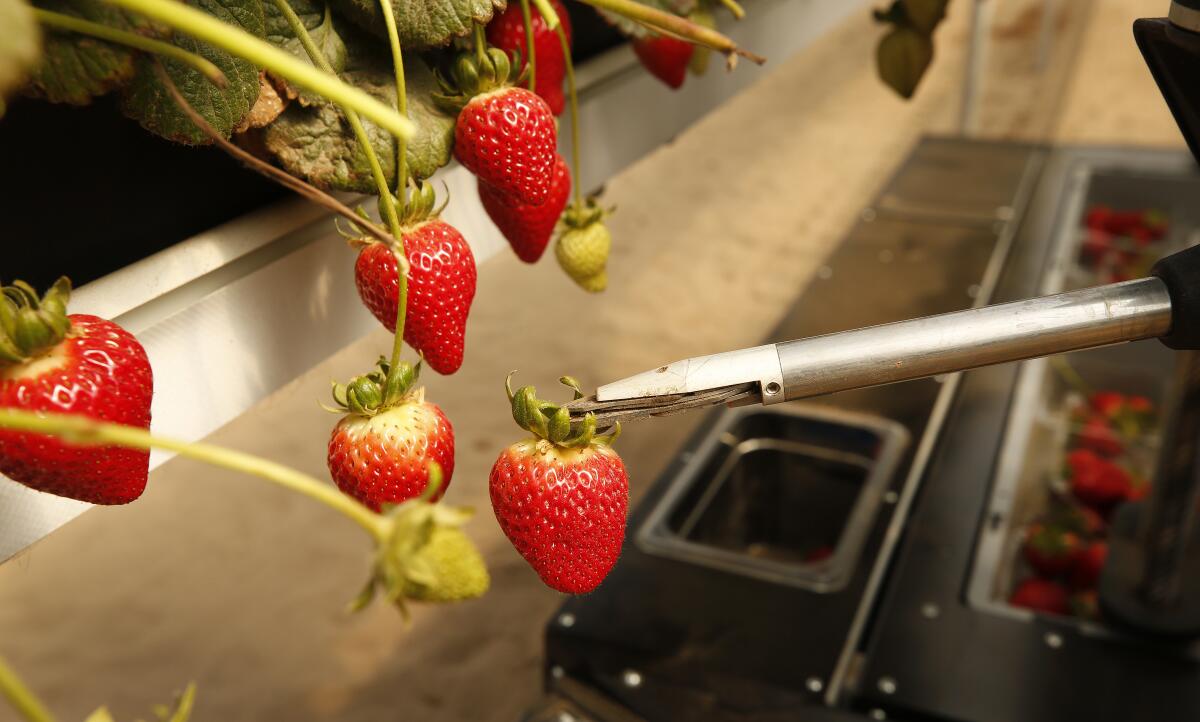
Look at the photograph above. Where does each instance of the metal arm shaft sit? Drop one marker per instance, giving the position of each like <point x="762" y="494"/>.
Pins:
<point x="962" y="340"/>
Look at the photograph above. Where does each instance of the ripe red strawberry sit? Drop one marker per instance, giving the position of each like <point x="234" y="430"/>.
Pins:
<point x="1107" y="403"/>
<point x="561" y="497"/>
<point x="507" y="32"/>
<point x="1096" y="434"/>
<point x="1041" y="595"/>
<point x="379" y="453"/>
<point x="529" y="228"/>
<point x="1089" y="564"/>
<point x="441" y="286"/>
<point x="665" y="57"/>
<point x="1051" y="551"/>
<point x="1095" y="481"/>
<point x="508" y="138"/>
<point x="74" y="364"/>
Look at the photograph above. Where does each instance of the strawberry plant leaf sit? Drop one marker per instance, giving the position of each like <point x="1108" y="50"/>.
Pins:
<point x="316" y="143"/>
<point x="100" y="715"/>
<point x="422" y="24"/>
<point x="20" y="45"/>
<point x="76" y="68"/>
<point x="633" y="29"/>
<point x="318" y="21"/>
<point x="147" y="100"/>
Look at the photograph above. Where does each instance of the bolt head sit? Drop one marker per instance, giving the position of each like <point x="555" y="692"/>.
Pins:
<point x="566" y="619"/>
<point x="631" y="678"/>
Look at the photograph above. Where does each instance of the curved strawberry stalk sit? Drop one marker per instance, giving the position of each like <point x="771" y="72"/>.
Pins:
<point x="388" y="531"/>
<point x="669" y="24"/>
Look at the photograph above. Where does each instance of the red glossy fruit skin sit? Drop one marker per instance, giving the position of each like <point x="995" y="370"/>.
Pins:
<point x="508" y="138"/>
<point x="528" y="229"/>
<point x="1051" y="551"/>
<point x="1096" y="434"/>
<point x="666" y="58"/>
<point x="507" y="32"/>
<point x="1089" y="564"/>
<point x="563" y="510"/>
<point x="384" y="459"/>
<point x="1096" y="481"/>
<point x="106" y="376"/>
<point x="1041" y="595"/>
<point x="441" y="287"/>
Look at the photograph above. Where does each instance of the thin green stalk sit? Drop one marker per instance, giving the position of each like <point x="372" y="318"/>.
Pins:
<point x="570" y="65"/>
<point x="123" y="37"/>
<point x="389" y="20"/>
<point x="78" y="429"/>
<point x="386" y="203"/>
<point x="480" y="43"/>
<point x="674" y="25"/>
<point x="547" y="10"/>
<point x="20" y="696"/>
<point x="401" y="181"/>
<point x="205" y="27"/>
<point x="527" y="17"/>
<point x="737" y="10"/>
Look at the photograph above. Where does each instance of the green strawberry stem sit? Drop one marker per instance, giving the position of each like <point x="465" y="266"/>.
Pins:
<point x="389" y="20"/>
<point x="682" y="28"/>
<point x="527" y="17"/>
<point x="205" y="27"/>
<point x="78" y="429"/>
<point x="386" y="204"/>
<point x="547" y="10"/>
<point x="570" y="65"/>
<point x="480" y="44"/>
<point x="73" y="24"/>
<point x="401" y="182"/>
<point x="401" y="191"/>
<point x="734" y="8"/>
<point x="20" y="696"/>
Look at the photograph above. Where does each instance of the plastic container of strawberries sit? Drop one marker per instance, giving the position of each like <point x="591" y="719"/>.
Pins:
<point x="1083" y="434"/>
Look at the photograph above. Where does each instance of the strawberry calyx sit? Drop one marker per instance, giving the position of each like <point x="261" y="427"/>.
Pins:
<point x="476" y="74"/>
<point x="423" y="554"/>
<point x="31" y="325"/>
<point x="551" y="423"/>
<point x="379" y="390"/>
<point x="582" y="216"/>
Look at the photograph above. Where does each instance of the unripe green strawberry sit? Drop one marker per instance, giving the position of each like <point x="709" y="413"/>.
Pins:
<point x="583" y="253"/>
<point x="452" y="567"/>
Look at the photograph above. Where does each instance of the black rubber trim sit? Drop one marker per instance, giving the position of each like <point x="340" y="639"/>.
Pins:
<point x="1181" y="272"/>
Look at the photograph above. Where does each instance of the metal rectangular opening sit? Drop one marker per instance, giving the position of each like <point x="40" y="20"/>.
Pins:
<point x="786" y="496"/>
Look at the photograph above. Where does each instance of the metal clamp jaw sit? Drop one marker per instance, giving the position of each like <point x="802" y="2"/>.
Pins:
<point x="758" y="365"/>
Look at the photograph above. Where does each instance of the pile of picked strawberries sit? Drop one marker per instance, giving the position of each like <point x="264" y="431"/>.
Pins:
<point x="1065" y="549"/>
<point x="1121" y="245"/>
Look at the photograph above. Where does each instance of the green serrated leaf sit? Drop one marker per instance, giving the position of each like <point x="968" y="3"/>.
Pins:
<point x="318" y="21"/>
<point x="147" y="100"/>
<point x="20" y="45"/>
<point x="902" y="58"/>
<point x="422" y="24"/>
<point x="317" y="144"/>
<point x="632" y="29"/>
<point x="76" y="68"/>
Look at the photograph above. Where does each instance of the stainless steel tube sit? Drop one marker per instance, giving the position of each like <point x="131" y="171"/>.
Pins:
<point x="934" y="345"/>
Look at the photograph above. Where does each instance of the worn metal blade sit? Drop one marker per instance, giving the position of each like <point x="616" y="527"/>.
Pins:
<point x="608" y="413"/>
